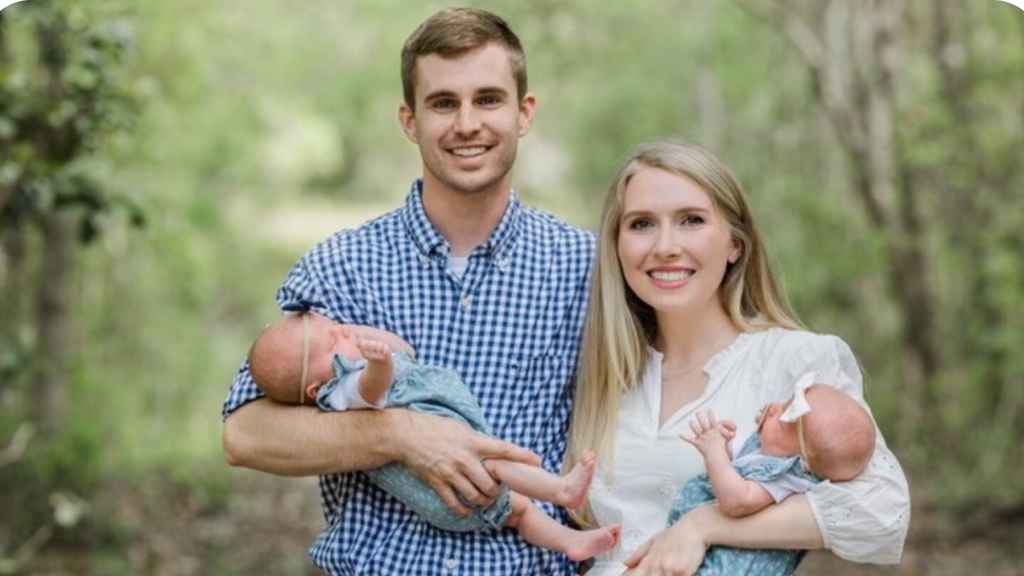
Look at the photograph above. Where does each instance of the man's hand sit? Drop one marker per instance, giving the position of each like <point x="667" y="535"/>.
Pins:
<point x="711" y="437"/>
<point x="447" y="456"/>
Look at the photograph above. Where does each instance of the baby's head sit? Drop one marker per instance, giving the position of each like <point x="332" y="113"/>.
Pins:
<point x="276" y="358"/>
<point x="838" y="435"/>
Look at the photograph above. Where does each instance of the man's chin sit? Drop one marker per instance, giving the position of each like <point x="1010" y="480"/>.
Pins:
<point x="474" y="186"/>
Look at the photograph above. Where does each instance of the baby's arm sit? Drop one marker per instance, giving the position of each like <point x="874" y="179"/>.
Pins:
<point x="375" y="380"/>
<point x="736" y="496"/>
<point x="394" y="341"/>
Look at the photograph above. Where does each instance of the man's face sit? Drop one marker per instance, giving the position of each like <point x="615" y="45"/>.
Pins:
<point x="468" y="121"/>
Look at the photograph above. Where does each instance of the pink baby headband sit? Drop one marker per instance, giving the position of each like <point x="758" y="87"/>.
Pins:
<point x="302" y="307"/>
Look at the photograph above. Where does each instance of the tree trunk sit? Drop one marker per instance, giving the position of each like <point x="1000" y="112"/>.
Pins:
<point x="851" y="52"/>
<point x="51" y="354"/>
<point x="51" y="358"/>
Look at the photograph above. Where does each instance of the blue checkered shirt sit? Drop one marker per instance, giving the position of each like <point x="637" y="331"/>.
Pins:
<point x="510" y="326"/>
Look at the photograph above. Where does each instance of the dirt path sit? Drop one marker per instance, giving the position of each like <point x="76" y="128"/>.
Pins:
<point x="930" y="551"/>
<point x="263" y="525"/>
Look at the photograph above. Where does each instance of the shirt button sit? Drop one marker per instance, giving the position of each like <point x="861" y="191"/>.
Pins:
<point x="464" y="303"/>
<point x="451" y="564"/>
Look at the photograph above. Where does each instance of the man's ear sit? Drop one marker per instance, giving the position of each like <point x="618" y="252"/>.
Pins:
<point x="407" y="118"/>
<point x="527" y="108"/>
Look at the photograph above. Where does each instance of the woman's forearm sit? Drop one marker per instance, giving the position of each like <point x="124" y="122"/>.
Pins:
<point x="680" y="548"/>
<point x="790" y="525"/>
<point x="297" y="441"/>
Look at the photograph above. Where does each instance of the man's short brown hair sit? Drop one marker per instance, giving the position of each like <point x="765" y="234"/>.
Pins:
<point x="454" y="31"/>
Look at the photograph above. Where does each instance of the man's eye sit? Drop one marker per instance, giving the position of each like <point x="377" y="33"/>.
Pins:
<point x="489" y="101"/>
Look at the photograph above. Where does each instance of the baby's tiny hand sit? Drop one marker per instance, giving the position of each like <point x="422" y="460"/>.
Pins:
<point x="374" y="349"/>
<point x="709" y="435"/>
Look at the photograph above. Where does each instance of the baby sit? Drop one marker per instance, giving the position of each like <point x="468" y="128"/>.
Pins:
<point x="307" y="357"/>
<point x="820" y="433"/>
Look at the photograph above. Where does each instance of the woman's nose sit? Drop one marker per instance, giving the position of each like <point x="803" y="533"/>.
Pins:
<point x="668" y="245"/>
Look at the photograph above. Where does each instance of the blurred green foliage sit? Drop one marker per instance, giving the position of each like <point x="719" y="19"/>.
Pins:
<point x="205" y="144"/>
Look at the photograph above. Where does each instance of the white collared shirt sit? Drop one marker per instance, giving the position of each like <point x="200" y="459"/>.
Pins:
<point x="864" y="520"/>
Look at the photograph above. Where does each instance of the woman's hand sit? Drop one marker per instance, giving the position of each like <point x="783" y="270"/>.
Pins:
<point x="675" y="551"/>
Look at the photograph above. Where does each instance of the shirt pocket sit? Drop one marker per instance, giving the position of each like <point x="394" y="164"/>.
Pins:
<point x="534" y="403"/>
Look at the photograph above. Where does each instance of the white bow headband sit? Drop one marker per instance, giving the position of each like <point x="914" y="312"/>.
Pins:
<point x="799" y="406"/>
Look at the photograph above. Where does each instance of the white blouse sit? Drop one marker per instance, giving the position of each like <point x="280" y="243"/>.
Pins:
<point x="863" y="520"/>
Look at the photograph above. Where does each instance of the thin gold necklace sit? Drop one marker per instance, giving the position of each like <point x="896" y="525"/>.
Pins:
<point x="713" y="347"/>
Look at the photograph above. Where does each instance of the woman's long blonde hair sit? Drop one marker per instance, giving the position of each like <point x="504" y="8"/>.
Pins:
<point x="620" y="327"/>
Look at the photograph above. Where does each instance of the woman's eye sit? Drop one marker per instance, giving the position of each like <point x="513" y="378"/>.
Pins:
<point x="692" y="220"/>
<point x="640" y="224"/>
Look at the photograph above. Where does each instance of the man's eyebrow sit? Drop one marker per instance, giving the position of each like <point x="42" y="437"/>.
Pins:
<point x="484" y="91"/>
<point x="492" y="90"/>
<point x="439" y="94"/>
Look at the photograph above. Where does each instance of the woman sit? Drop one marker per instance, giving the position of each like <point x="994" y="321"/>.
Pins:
<point x="686" y="316"/>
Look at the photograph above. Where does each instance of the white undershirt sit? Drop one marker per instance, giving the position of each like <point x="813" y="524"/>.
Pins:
<point x="458" y="265"/>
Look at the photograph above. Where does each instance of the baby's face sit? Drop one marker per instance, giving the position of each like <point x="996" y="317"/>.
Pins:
<point x="778" y="438"/>
<point x="327" y="338"/>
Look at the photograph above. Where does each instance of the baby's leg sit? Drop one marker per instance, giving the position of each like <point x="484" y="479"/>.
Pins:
<point x="568" y="491"/>
<point x="543" y="531"/>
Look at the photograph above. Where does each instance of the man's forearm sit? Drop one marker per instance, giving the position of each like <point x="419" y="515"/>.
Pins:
<point x="297" y="441"/>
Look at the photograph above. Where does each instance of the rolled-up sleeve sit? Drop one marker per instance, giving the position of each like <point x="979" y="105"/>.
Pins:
<point x="243" y="391"/>
<point x="865" y="519"/>
<point x="301" y="285"/>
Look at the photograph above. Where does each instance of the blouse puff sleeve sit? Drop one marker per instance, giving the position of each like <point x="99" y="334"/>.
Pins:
<point x="865" y="519"/>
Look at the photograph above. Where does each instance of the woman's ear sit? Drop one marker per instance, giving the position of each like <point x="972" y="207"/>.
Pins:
<point x="736" y="252"/>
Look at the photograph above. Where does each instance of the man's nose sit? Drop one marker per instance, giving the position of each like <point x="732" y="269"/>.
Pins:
<point x="468" y="120"/>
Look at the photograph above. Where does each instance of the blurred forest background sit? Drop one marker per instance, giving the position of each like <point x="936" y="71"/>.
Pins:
<point x="162" y="164"/>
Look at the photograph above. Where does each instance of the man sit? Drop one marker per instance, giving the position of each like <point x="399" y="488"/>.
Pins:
<point x="475" y="281"/>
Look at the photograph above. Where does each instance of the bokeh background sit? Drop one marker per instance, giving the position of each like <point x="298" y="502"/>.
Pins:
<point x="162" y="164"/>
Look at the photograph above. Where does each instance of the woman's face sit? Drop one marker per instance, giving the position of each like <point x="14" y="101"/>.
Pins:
<point x="673" y="244"/>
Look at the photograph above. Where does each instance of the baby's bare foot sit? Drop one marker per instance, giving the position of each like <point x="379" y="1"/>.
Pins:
<point x="577" y="482"/>
<point x="589" y="543"/>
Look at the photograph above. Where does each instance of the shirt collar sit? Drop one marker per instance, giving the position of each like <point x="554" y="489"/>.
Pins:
<point x="430" y="241"/>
